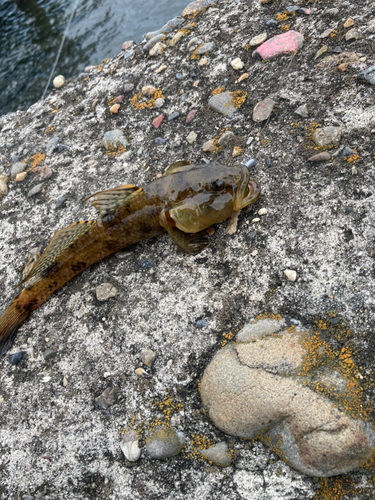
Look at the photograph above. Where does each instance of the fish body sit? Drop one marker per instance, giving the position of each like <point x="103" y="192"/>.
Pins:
<point x="185" y="202"/>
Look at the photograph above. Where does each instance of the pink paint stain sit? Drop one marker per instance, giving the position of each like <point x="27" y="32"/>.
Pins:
<point x="281" y="44"/>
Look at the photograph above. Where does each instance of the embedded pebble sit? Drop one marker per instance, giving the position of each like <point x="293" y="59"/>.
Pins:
<point x="203" y="61"/>
<point x="321" y="51"/>
<point x="159" y="102"/>
<point x="158" y="121"/>
<point x="268" y="162"/>
<point x="130" y="446"/>
<point x="140" y="372"/>
<point x="127" y="45"/>
<point x="107" y="398"/>
<point x="148" y="90"/>
<point x="52" y="144"/>
<point x="223" y="103"/>
<point x="128" y="87"/>
<point x="192" y="137"/>
<point x="159" y="140"/>
<point x="191" y="115"/>
<point x="60" y="202"/>
<point x="161" y="68"/>
<point x="243" y="77"/>
<point x="178" y="76"/>
<point x="262" y="211"/>
<point x="197" y="6"/>
<point x="349" y="22"/>
<point x="163" y="443"/>
<point x="177" y="37"/>
<point x="201" y="323"/>
<point x="368" y="75"/>
<point x="263" y="110"/>
<point x="326" y="33"/>
<point x="292" y="8"/>
<point x="49" y="354"/>
<point x="352" y="34"/>
<point x="35" y="190"/>
<point x="208" y="146"/>
<point x="113" y="138"/>
<point x="302" y="111"/>
<point x="89" y="68"/>
<point x="105" y="291"/>
<point x="236" y="151"/>
<point x="3" y="187"/>
<point x="258" y="40"/>
<point x="118" y="99"/>
<point x="16" y="358"/>
<point x="148" y="357"/>
<point x="114" y="109"/>
<point x="58" y="81"/>
<point x="272" y="23"/>
<point x="157" y="49"/>
<point x="173" y="116"/>
<point x="250" y="163"/>
<point x="327" y="136"/>
<point x="20" y="177"/>
<point x="324" y="156"/>
<point x="347" y="152"/>
<point x="236" y="64"/>
<point x="206" y="48"/>
<point x="146" y="263"/>
<point x="153" y="41"/>
<point x="17" y="168"/>
<point x="219" y="454"/>
<point x="281" y="44"/>
<point x="225" y="138"/>
<point x="290" y="274"/>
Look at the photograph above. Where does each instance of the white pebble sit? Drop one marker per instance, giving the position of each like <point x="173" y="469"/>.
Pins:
<point x="192" y="137"/>
<point x="256" y="219"/>
<point x="290" y="274"/>
<point x="159" y="102"/>
<point x="129" y="446"/>
<point x="262" y="211"/>
<point x="236" y="63"/>
<point x="3" y="187"/>
<point x="254" y="252"/>
<point x="105" y="291"/>
<point x="59" y="81"/>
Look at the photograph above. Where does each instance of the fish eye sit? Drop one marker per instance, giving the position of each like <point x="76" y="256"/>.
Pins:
<point x="217" y="185"/>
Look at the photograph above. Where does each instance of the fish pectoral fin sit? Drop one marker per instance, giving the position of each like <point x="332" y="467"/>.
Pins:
<point x="61" y="240"/>
<point x="179" y="166"/>
<point x="190" y="243"/>
<point x="110" y="200"/>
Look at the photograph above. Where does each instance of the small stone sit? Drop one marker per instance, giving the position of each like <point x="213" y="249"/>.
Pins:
<point x="17" y="168"/>
<point x="225" y="138"/>
<point x="327" y="136"/>
<point x="16" y="358"/>
<point x="118" y="99"/>
<point x="262" y="211"/>
<point x="146" y="264"/>
<point x="347" y="152"/>
<point x="148" y="357"/>
<point x="208" y="146"/>
<point x="35" y="190"/>
<point x="263" y="110"/>
<point x="324" y="156"/>
<point x="281" y="44"/>
<point x="148" y="90"/>
<point x="352" y="34"/>
<point x="201" y="323"/>
<point x="192" y="137"/>
<point x="193" y="43"/>
<point x="157" y="49"/>
<point x="128" y="87"/>
<point x="113" y="139"/>
<point x="332" y="12"/>
<point x="258" y="40"/>
<point x="88" y="69"/>
<point x="236" y="151"/>
<point x="65" y="381"/>
<point x="127" y="45"/>
<point x="290" y="274"/>
<point x="178" y="76"/>
<point x="114" y="109"/>
<point x="197" y="6"/>
<point x="173" y="116"/>
<point x="163" y="443"/>
<point x="159" y="140"/>
<point x="105" y="291"/>
<point x="191" y="115"/>
<point x="342" y="67"/>
<point x="302" y="111"/>
<point x="20" y="177"/>
<point x="368" y="75"/>
<point x="206" y="48"/>
<point x="3" y="187"/>
<point x="159" y="102"/>
<point x="223" y="103"/>
<point x="292" y="8"/>
<point x="203" y="61"/>
<point x="60" y="202"/>
<point x="49" y="354"/>
<point x="232" y="222"/>
<point x="177" y="37"/>
<point x="130" y="447"/>
<point x="272" y="23"/>
<point x="219" y="454"/>
<point x="321" y="51"/>
<point x="152" y="42"/>
<point x="236" y="64"/>
<point x="268" y="162"/>
<point x="52" y="144"/>
<point x="107" y="398"/>
<point x="243" y="77"/>
<point x="158" y="121"/>
<point x="161" y="68"/>
<point x="326" y="33"/>
<point x="349" y="22"/>
<point x="140" y="372"/>
<point x="58" y="81"/>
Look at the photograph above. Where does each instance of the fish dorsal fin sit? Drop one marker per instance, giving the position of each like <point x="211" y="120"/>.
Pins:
<point x="61" y="240"/>
<point x="179" y="166"/>
<point x="111" y="199"/>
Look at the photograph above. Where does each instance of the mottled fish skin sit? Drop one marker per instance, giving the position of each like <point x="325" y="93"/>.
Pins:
<point x="185" y="202"/>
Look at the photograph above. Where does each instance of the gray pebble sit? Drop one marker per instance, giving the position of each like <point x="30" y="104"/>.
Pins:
<point x="52" y="144"/>
<point x="268" y="162"/>
<point x="148" y="357"/>
<point x="130" y="447"/>
<point x="49" y="353"/>
<point x="302" y="111"/>
<point x="128" y="87"/>
<point x="153" y="41"/>
<point x="105" y="291"/>
<point x="201" y="323"/>
<point x="82" y="76"/>
<point x="60" y="202"/>
<point x="183" y="98"/>
<point x="127" y="54"/>
<point x="107" y="398"/>
<point x="14" y="158"/>
<point x="347" y="152"/>
<point x="163" y="443"/>
<point x="337" y="49"/>
<point x="219" y="454"/>
<point x="167" y="28"/>
<point x="159" y="140"/>
<point x="35" y="190"/>
<point x="332" y="12"/>
<point x="272" y="23"/>
<point x="113" y="138"/>
<point x="63" y="147"/>
<point x="16" y="358"/>
<point x="178" y="76"/>
<point x="206" y="48"/>
<point x="174" y="115"/>
<point x="225" y="138"/>
<point x="159" y="102"/>
<point x="146" y="263"/>
<point x="17" y="168"/>
<point x="223" y="103"/>
<point x="292" y="8"/>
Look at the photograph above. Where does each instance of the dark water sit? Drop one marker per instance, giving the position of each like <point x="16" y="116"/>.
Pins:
<point x="31" y="34"/>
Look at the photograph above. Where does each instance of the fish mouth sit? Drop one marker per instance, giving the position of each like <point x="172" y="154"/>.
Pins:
<point x="249" y="193"/>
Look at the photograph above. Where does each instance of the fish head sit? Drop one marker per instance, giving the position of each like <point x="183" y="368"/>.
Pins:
<point x="211" y="193"/>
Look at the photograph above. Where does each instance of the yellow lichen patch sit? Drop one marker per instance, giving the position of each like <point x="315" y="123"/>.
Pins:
<point x="218" y="90"/>
<point x="199" y="442"/>
<point x="340" y="487"/>
<point x="36" y="159"/>
<point x="276" y="317"/>
<point x="285" y="27"/>
<point x="266" y="142"/>
<point x="194" y="55"/>
<point x="238" y="98"/>
<point x="352" y="158"/>
<point x="168" y="406"/>
<point x="282" y="16"/>
<point x="138" y="101"/>
<point x="333" y="33"/>
<point x="226" y="338"/>
<point x="56" y="110"/>
<point x="111" y="151"/>
<point x="111" y="101"/>
<point x="50" y="129"/>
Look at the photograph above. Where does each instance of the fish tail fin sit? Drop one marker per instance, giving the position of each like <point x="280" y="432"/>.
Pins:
<point x="10" y="321"/>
